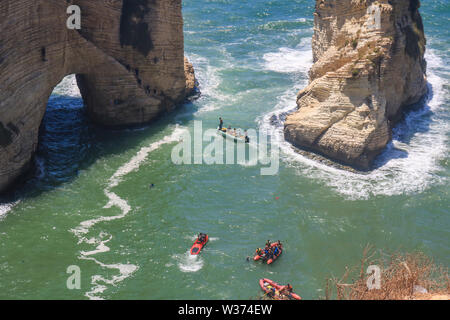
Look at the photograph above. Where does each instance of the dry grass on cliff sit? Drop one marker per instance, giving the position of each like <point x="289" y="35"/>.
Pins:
<point x="402" y="277"/>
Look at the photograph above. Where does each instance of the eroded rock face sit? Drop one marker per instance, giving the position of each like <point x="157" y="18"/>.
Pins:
<point x="128" y="57"/>
<point x="368" y="64"/>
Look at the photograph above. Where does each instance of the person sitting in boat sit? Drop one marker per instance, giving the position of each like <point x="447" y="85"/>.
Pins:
<point x="276" y="251"/>
<point x="259" y="252"/>
<point x="266" y="252"/>
<point x="270" y="253"/>
<point x="268" y="244"/>
<point x="220" y="123"/>
<point x="277" y="294"/>
<point x="286" y="290"/>
<point x="201" y="237"/>
<point x="279" y="244"/>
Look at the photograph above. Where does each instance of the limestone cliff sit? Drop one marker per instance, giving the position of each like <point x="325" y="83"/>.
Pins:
<point x="368" y="64"/>
<point x="128" y="57"/>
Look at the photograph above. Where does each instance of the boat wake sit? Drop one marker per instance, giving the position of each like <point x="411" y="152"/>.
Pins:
<point x="409" y="164"/>
<point x="188" y="263"/>
<point x="98" y="282"/>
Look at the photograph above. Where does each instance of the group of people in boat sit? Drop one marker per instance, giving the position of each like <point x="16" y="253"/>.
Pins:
<point x="270" y="250"/>
<point x="233" y="132"/>
<point x="282" y="293"/>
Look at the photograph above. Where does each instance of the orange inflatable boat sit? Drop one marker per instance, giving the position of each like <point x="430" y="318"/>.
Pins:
<point x="198" y="245"/>
<point x="272" y="289"/>
<point x="260" y="255"/>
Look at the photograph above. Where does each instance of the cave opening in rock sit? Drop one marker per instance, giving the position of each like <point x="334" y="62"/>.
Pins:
<point x="63" y="134"/>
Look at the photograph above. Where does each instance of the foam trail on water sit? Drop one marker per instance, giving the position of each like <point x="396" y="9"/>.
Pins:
<point x="125" y="270"/>
<point x="408" y="164"/>
<point x="7" y="207"/>
<point x="187" y="262"/>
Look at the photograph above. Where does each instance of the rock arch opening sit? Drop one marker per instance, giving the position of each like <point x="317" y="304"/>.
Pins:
<point x="121" y="83"/>
<point x="64" y="136"/>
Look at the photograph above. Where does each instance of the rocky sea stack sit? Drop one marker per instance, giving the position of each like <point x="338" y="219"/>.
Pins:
<point x="368" y="65"/>
<point x="128" y="56"/>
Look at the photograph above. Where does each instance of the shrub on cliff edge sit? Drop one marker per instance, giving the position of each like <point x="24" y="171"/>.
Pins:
<point x="403" y="277"/>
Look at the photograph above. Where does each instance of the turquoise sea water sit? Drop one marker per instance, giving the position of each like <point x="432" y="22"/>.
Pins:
<point x="90" y="203"/>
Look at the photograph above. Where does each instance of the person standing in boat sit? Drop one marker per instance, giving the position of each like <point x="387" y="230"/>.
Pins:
<point x="220" y="123"/>
<point x="247" y="139"/>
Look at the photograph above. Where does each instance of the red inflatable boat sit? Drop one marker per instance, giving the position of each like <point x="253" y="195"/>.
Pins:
<point x="272" y="289"/>
<point x="199" y="244"/>
<point x="273" y="258"/>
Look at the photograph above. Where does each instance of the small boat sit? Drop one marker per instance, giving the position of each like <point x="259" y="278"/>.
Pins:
<point x="273" y="258"/>
<point x="198" y="245"/>
<point x="272" y="289"/>
<point x="224" y="132"/>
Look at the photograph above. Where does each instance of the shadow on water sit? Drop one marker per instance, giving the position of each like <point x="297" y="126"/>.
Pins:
<point x="69" y="143"/>
<point x="416" y="118"/>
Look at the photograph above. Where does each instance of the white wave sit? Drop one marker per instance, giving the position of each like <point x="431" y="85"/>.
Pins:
<point x="7" y="207"/>
<point x="404" y="167"/>
<point x="187" y="262"/>
<point x="125" y="270"/>
<point x="290" y="60"/>
<point x="210" y="81"/>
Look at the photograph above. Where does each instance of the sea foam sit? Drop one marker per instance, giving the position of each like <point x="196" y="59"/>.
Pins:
<point x="98" y="282"/>
<point x="290" y="60"/>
